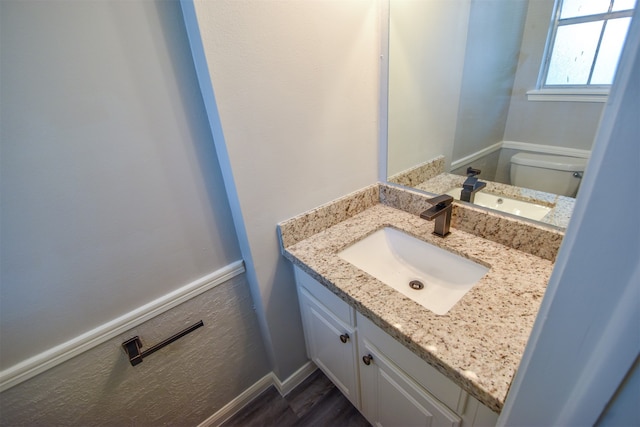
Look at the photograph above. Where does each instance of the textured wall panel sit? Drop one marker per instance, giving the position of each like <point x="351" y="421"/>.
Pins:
<point x="181" y="384"/>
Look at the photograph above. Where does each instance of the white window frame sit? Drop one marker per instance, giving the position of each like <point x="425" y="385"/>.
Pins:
<point x="583" y="92"/>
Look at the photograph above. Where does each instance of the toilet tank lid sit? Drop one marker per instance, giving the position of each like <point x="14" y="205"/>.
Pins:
<point x="546" y="161"/>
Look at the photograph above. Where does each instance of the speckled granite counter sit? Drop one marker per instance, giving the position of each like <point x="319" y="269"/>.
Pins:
<point x="479" y="342"/>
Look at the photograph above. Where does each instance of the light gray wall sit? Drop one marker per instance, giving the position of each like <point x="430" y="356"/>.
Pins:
<point x="561" y="124"/>
<point x="585" y="339"/>
<point x="434" y="110"/>
<point x="623" y="409"/>
<point x="503" y="169"/>
<point x="111" y="194"/>
<point x="487" y="164"/>
<point x="296" y="85"/>
<point x="111" y="197"/>
<point x="427" y="42"/>
<point x="491" y="56"/>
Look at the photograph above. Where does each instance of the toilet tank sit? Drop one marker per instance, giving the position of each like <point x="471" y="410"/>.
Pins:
<point x="553" y="174"/>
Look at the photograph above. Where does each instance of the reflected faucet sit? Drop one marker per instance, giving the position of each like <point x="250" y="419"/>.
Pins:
<point x="471" y="185"/>
<point x="441" y="212"/>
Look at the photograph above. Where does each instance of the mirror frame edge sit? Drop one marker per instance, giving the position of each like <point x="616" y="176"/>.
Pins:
<point x="383" y="92"/>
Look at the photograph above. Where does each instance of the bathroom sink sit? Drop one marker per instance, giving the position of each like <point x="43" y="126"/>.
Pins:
<point x="506" y="204"/>
<point x="403" y="262"/>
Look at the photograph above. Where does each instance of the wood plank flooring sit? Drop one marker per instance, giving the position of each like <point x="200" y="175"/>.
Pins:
<point x="315" y="402"/>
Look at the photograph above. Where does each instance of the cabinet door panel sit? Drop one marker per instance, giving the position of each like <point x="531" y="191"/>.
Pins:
<point x="391" y="398"/>
<point x="396" y="405"/>
<point x="325" y="334"/>
<point x="439" y="386"/>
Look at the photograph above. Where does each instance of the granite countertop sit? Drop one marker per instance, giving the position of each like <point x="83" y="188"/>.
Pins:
<point x="479" y="343"/>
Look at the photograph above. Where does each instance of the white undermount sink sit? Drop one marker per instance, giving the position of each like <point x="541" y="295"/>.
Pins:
<point x="505" y="204"/>
<point x="396" y="259"/>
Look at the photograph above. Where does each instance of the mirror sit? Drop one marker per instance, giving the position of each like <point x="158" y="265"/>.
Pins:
<point x="461" y="75"/>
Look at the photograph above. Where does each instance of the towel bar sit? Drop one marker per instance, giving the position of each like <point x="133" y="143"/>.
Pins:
<point x="132" y="347"/>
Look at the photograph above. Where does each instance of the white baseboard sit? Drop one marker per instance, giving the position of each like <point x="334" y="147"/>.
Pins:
<point x="284" y="387"/>
<point x="475" y="156"/>
<point x="54" y="356"/>
<point x="228" y="410"/>
<point x="522" y="146"/>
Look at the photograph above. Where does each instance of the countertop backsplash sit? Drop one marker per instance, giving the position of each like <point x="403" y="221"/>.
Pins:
<point x="536" y="239"/>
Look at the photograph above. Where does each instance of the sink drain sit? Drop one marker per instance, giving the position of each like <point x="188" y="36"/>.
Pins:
<point x="416" y="284"/>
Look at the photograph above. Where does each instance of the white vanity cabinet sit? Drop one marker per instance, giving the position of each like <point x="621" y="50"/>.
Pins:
<point x="388" y="383"/>
<point x="330" y="334"/>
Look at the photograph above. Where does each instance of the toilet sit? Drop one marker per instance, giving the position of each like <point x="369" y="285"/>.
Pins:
<point x="553" y="174"/>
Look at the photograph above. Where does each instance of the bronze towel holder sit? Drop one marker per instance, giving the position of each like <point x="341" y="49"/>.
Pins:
<point x="132" y="347"/>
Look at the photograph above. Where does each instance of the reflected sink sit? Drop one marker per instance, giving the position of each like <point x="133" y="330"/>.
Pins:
<point x="505" y="204"/>
<point x="396" y="259"/>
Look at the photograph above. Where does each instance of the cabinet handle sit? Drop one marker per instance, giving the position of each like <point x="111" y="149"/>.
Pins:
<point x="344" y="338"/>
<point x="367" y="359"/>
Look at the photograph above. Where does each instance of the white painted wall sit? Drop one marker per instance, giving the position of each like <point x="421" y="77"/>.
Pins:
<point x="111" y="197"/>
<point x="560" y="124"/>
<point x="426" y="58"/>
<point x="296" y="87"/>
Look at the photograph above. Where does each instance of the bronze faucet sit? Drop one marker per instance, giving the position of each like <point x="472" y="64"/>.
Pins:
<point x="471" y="185"/>
<point x="441" y="212"/>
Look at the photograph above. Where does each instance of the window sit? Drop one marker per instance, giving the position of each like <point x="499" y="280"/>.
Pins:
<point x="584" y="43"/>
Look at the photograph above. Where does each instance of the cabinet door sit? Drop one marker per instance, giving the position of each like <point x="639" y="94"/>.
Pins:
<point x="391" y="398"/>
<point x="331" y="345"/>
<point x="475" y="414"/>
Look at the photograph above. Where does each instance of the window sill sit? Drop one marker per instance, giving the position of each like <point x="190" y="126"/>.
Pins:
<point x="568" y="95"/>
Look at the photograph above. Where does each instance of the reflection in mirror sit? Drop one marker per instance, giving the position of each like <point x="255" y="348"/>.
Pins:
<point x="464" y="93"/>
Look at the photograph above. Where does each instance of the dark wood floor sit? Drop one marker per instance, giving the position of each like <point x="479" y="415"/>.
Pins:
<point x="315" y="402"/>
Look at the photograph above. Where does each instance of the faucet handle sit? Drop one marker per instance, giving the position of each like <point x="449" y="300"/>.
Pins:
<point x="441" y="201"/>
<point x="473" y="172"/>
